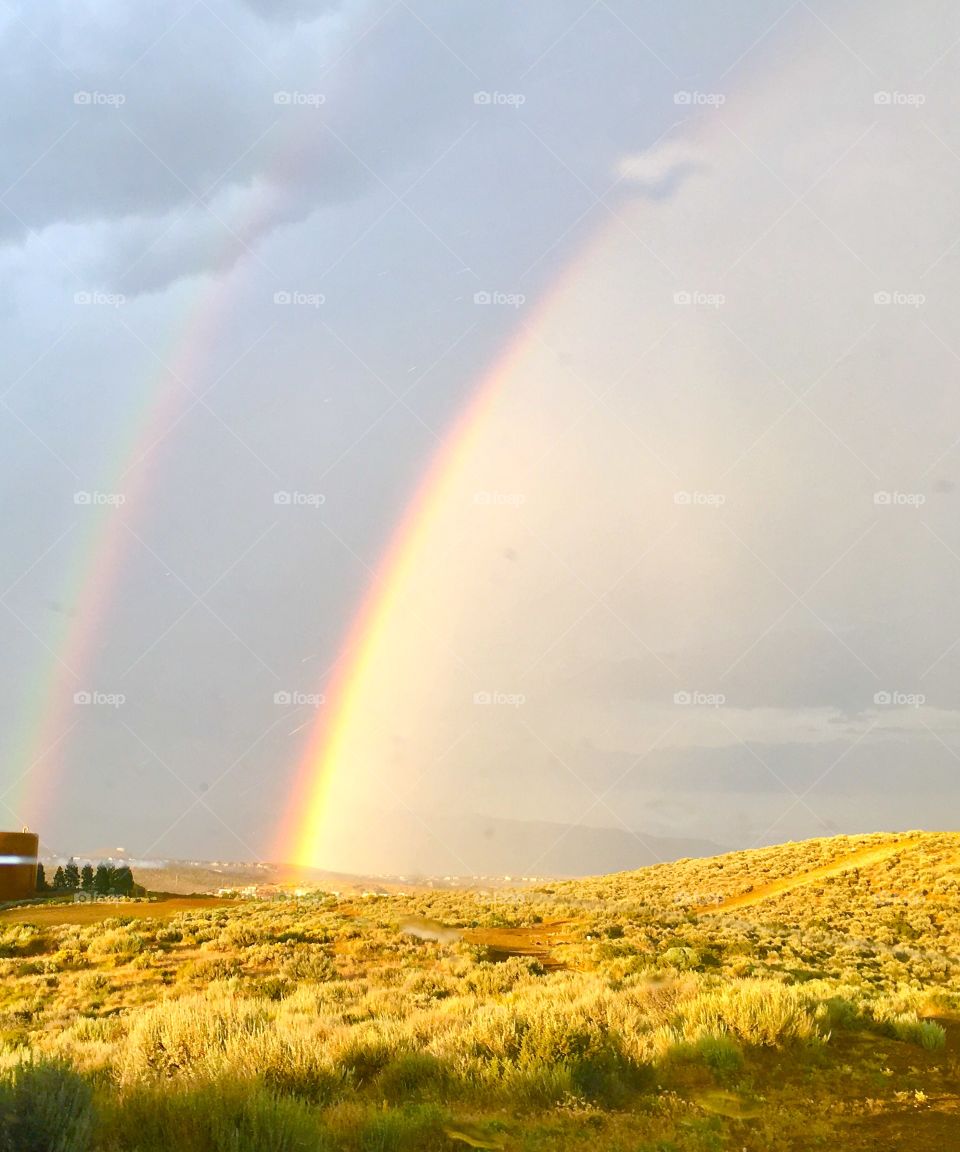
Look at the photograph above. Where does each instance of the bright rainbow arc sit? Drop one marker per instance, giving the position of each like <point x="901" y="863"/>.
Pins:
<point x="324" y="755"/>
<point x="325" y="759"/>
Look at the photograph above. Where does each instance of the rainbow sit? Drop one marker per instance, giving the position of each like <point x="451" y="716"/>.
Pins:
<point x="326" y="753"/>
<point x="97" y="564"/>
<point x="95" y="572"/>
<point x="315" y="811"/>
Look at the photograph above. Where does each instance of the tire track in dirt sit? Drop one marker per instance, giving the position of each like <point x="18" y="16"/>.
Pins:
<point x="861" y="858"/>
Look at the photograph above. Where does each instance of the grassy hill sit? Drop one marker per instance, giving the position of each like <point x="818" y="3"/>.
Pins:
<point x="796" y="997"/>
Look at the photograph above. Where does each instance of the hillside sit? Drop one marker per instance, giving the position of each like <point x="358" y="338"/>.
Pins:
<point x="789" y="998"/>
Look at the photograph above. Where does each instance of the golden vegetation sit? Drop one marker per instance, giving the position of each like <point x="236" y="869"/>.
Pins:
<point x="654" y="1010"/>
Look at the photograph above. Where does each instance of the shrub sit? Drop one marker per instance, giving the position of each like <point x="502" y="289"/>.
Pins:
<point x="720" y="1054"/>
<point x="117" y="942"/>
<point x="363" y="1058"/>
<point x="415" y="1128"/>
<point x="758" y="1012"/>
<point x="307" y="963"/>
<point x="838" y="1012"/>
<point x="413" y="1076"/>
<point x="212" y="1117"/>
<point x="187" y="1037"/>
<point x="927" y="1033"/>
<point x="45" y="1107"/>
<point x="274" y="988"/>
<point x="682" y="958"/>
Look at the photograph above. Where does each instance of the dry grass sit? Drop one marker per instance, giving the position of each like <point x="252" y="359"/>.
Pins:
<point x="319" y="1023"/>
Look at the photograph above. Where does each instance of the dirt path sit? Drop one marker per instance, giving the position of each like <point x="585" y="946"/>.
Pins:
<point x="42" y="914"/>
<point x="535" y="942"/>
<point x="862" y="858"/>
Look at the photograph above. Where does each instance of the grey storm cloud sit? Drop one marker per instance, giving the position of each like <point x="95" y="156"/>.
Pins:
<point x="187" y="136"/>
<point x="193" y="133"/>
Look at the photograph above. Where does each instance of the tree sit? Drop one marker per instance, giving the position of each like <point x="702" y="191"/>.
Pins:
<point x="59" y="880"/>
<point x="71" y="875"/>
<point x="86" y="878"/>
<point x="42" y="885"/>
<point x="123" y="880"/>
<point x="101" y="880"/>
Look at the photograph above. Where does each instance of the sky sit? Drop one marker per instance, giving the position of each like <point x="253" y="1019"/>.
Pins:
<point x="433" y="430"/>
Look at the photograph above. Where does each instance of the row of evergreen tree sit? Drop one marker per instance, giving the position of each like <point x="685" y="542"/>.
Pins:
<point x="106" y="880"/>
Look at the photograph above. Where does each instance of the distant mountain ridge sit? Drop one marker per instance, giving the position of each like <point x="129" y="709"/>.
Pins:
<point x="496" y="846"/>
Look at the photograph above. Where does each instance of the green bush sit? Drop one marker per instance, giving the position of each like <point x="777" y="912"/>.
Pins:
<point x="212" y="1117"/>
<point x="413" y="1076"/>
<point x="720" y="1054"/>
<point x="410" y="1129"/>
<point x="45" y="1107"/>
<point x="926" y="1033"/>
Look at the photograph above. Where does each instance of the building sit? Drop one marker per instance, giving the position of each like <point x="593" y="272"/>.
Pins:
<point x="18" y="864"/>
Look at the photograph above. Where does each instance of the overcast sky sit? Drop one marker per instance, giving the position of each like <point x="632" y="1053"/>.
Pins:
<point x="250" y="249"/>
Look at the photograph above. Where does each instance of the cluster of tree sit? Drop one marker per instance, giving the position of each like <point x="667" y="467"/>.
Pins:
<point x="106" y="880"/>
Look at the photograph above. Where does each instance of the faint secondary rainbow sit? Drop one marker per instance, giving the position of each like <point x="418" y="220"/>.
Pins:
<point x="95" y="572"/>
<point x="97" y="561"/>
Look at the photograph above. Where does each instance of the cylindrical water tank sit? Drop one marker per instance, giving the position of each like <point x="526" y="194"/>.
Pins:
<point x="18" y="864"/>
